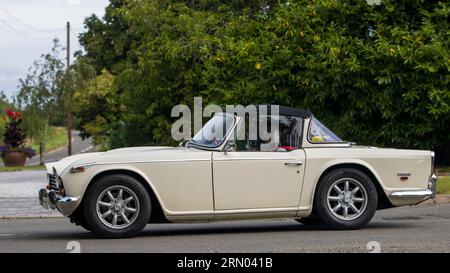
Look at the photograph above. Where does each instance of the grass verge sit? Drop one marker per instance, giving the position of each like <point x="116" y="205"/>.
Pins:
<point x="443" y="185"/>
<point x="57" y="138"/>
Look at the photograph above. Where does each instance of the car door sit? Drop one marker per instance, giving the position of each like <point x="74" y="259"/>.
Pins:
<point x="250" y="177"/>
<point x="257" y="180"/>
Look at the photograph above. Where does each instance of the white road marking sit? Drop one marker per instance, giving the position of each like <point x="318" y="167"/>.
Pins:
<point x="86" y="149"/>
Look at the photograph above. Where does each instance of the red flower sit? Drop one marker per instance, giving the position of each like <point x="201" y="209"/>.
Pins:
<point x="10" y="113"/>
<point x="13" y="114"/>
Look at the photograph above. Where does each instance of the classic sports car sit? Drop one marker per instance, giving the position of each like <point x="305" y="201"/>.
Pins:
<point x="311" y="176"/>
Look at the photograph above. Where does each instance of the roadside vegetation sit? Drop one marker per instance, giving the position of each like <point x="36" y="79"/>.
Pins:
<point x="377" y="75"/>
<point x="3" y="106"/>
<point x="441" y="170"/>
<point x="443" y="185"/>
<point x="57" y="138"/>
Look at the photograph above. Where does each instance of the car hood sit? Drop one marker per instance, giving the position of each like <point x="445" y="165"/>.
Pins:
<point x="122" y="155"/>
<point x="62" y="164"/>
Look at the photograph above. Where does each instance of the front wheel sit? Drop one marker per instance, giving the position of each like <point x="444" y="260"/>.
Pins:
<point x="117" y="206"/>
<point x="346" y="199"/>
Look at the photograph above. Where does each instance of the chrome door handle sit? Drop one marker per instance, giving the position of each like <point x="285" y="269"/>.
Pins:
<point x="293" y="163"/>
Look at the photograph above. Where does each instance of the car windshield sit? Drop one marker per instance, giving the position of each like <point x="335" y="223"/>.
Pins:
<point x="214" y="132"/>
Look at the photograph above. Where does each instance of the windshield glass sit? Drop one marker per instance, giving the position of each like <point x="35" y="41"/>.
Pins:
<point x="319" y="133"/>
<point x="214" y="131"/>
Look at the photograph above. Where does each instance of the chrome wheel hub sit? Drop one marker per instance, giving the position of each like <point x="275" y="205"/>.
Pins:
<point x="117" y="207"/>
<point x="347" y="199"/>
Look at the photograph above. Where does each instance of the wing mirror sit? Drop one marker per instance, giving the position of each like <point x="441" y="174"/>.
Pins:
<point x="230" y="146"/>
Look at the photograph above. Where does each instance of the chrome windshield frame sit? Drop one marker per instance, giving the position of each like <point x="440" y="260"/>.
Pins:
<point x="219" y="147"/>
<point x="307" y="137"/>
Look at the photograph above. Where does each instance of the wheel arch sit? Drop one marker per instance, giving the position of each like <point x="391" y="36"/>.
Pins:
<point x="383" y="201"/>
<point x="157" y="215"/>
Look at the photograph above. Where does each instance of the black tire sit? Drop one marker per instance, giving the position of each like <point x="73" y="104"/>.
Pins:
<point x="82" y="223"/>
<point x="78" y="219"/>
<point x="324" y="208"/>
<point x="139" y="220"/>
<point x="86" y="227"/>
<point x="310" y="221"/>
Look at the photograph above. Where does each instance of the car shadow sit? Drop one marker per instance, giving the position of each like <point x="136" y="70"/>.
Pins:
<point x="167" y="230"/>
<point x="281" y="226"/>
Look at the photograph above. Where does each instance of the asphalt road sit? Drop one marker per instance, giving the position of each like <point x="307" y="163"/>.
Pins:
<point x="417" y="229"/>
<point x="23" y="184"/>
<point x="78" y="146"/>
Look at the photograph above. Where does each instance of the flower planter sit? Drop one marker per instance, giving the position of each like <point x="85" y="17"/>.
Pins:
<point x="14" y="158"/>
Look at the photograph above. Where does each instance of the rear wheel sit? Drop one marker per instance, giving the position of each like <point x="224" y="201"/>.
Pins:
<point x="346" y="199"/>
<point x="117" y="206"/>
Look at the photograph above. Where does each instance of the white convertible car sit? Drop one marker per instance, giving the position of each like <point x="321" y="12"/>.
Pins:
<point x="312" y="176"/>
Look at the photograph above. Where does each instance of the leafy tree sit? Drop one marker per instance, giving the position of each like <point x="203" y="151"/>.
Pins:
<point x="3" y="106"/>
<point x="107" y="41"/>
<point x="378" y="74"/>
<point x="39" y="93"/>
<point x="97" y="122"/>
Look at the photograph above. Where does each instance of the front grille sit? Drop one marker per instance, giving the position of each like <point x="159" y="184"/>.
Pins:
<point x="52" y="182"/>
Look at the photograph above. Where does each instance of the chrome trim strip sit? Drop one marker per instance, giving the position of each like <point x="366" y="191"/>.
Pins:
<point x="142" y="162"/>
<point x="408" y="198"/>
<point x="251" y="158"/>
<point x="411" y="194"/>
<point x="233" y="211"/>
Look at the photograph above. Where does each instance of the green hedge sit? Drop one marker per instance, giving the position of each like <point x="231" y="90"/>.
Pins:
<point x="377" y="75"/>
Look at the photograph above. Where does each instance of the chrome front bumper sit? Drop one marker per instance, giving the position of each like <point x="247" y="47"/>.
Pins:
<point x="49" y="199"/>
<point x="403" y="198"/>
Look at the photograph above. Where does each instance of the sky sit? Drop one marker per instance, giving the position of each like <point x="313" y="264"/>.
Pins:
<point x="28" y="27"/>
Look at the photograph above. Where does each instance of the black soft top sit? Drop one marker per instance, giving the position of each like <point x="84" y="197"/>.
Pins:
<point x="287" y="111"/>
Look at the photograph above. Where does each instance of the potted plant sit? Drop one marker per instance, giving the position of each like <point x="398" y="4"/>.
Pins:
<point x="14" y="152"/>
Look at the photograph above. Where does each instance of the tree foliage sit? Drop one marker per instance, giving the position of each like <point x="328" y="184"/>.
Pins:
<point x="377" y="75"/>
<point x="4" y="104"/>
<point x="97" y="121"/>
<point x="39" y="94"/>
